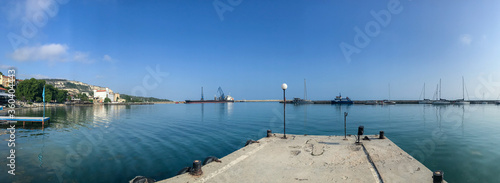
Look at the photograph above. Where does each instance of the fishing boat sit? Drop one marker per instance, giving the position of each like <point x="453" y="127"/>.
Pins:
<point x="462" y="101"/>
<point x="299" y="101"/>
<point x="340" y="100"/>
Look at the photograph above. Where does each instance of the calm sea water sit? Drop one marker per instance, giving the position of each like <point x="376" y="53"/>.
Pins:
<point x="117" y="143"/>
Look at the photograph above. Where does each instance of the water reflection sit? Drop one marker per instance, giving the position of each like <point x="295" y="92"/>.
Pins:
<point x="119" y="136"/>
<point x="77" y="116"/>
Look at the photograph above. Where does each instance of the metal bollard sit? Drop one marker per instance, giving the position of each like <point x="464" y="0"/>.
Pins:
<point x="196" y="170"/>
<point x="437" y="176"/>
<point x="361" y="130"/>
<point x="269" y="133"/>
<point x="381" y="136"/>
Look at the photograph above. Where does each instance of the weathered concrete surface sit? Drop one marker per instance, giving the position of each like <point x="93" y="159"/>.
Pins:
<point x="314" y="159"/>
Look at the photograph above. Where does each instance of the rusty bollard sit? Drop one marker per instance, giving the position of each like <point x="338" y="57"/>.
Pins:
<point x="196" y="170"/>
<point x="381" y="136"/>
<point x="269" y="133"/>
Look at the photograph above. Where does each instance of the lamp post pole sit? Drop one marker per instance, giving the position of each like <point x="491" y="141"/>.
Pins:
<point x="284" y="87"/>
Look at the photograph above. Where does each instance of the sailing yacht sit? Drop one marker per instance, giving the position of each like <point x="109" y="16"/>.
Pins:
<point x="389" y="102"/>
<point x="462" y="101"/>
<point x="440" y="101"/>
<point x="425" y="101"/>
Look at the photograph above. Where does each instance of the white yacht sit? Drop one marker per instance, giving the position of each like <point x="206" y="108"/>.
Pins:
<point x="462" y="101"/>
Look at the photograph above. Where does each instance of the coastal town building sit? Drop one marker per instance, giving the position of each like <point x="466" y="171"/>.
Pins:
<point x="4" y="80"/>
<point x="3" y="90"/>
<point x="100" y="95"/>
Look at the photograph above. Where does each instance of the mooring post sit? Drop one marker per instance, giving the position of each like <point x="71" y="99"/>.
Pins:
<point x="269" y="133"/>
<point x="345" y="126"/>
<point x="437" y="176"/>
<point x="381" y="136"/>
<point x="196" y="170"/>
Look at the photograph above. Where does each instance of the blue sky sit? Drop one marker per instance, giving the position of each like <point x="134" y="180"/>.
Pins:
<point x="250" y="48"/>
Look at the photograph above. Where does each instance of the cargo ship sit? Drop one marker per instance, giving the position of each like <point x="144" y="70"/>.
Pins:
<point x="222" y="98"/>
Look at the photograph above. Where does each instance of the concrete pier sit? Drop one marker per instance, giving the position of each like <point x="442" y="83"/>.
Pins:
<point x="303" y="158"/>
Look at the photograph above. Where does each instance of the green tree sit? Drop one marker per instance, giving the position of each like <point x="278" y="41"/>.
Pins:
<point x="106" y="100"/>
<point x="61" y="96"/>
<point x="83" y="97"/>
<point x="50" y="93"/>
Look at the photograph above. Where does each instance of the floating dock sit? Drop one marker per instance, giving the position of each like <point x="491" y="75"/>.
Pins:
<point x="304" y="158"/>
<point x="26" y="119"/>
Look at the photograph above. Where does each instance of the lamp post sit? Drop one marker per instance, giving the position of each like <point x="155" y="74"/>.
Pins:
<point x="284" y="87"/>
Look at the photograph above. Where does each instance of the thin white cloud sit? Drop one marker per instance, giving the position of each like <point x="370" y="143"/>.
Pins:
<point x="6" y="67"/>
<point x="465" y="39"/>
<point x="107" y="58"/>
<point x="36" y="76"/>
<point x="50" y="52"/>
<point x="37" y="11"/>
<point x="82" y="57"/>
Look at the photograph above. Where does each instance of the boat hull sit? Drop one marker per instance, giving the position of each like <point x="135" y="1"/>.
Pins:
<point x="342" y="102"/>
<point x="425" y="102"/>
<point x="441" y="103"/>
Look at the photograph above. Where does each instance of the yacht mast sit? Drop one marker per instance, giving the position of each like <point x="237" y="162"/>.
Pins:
<point x="463" y="88"/>
<point x="439" y="89"/>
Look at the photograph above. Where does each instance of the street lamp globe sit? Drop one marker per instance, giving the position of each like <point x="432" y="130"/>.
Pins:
<point x="284" y="86"/>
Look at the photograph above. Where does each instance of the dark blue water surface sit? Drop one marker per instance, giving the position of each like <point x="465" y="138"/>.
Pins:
<point x="117" y="143"/>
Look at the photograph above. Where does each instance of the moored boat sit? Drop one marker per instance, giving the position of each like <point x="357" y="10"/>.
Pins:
<point x="299" y="101"/>
<point x="441" y="102"/>
<point x="425" y="101"/>
<point x="340" y="100"/>
<point x="462" y="101"/>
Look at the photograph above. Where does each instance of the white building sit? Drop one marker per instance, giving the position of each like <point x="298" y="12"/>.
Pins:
<point x="100" y="95"/>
